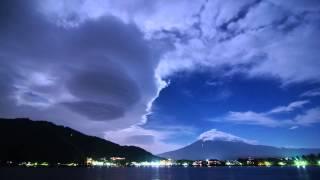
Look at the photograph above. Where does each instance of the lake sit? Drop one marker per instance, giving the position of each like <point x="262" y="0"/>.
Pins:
<point x="216" y="173"/>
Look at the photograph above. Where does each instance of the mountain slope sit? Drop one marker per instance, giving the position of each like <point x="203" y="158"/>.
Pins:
<point x="26" y="140"/>
<point x="218" y="149"/>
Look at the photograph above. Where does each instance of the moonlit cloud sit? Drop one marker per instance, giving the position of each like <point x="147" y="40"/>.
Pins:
<point x="294" y="127"/>
<point x="100" y="70"/>
<point x="311" y="93"/>
<point x="292" y="106"/>
<point x="151" y="140"/>
<point x="214" y="134"/>
<point x="253" y="118"/>
<point x="256" y="47"/>
<point x="307" y="118"/>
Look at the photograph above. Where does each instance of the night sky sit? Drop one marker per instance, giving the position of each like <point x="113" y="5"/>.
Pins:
<point x="161" y="74"/>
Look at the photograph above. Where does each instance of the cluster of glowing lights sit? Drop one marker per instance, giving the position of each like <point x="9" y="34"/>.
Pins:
<point x="117" y="158"/>
<point x="44" y="164"/>
<point x="197" y="163"/>
<point x="102" y="163"/>
<point x="71" y="164"/>
<point x="185" y="164"/>
<point x="34" y="164"/>
<point x="168" y="163"/>
<point x="30" y="164"/>
<point x="233" y="163"/>
<point x="97" y="163"/>
<point x="267" y="163"/>
<point x="300" y="163"/>
<point x="68" y="164"/>
<point x="162" y="163"/>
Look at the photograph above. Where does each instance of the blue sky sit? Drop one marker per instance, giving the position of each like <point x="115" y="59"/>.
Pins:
<point x="161" y="74"/>
<point x="203" y="100"/>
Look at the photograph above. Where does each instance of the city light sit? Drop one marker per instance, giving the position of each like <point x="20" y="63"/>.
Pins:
<point x="233" y="163"/>
<point x="29" y="164"/>
<point x="97" y="163"/>
<point x="300" y="163"/>
<point x="71" y="164"/>
<point x="34" y="164"/>
<point x="267" y="163"/>
<point x="147" y="164"/>
<point x="121" y="162"/>
<point x="117" y="158"/>
<point x="185" y="164"/>
<point x="103" y="162"/>
<point x="44" y="164"/>
<point x="162" y="163"/>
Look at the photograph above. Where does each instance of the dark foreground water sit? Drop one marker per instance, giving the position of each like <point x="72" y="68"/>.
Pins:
<point x="225" y="173"/>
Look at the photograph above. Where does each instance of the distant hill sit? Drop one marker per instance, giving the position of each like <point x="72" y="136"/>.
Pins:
<point x="227" y="150"/>
<point x="27" y="140"/>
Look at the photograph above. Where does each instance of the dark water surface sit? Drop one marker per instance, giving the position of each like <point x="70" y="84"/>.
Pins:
<point x="225" y="173"/>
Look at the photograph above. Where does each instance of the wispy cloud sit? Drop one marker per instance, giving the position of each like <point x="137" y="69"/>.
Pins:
<point x="291" y="107"/>
<point x="294" y="127"/>
<point x="311" y="93"/>
<point x="213" y="83"/>
<point x="308" y="117"/>
<point x="253" y="118"/>
<point x="153" y="140"/>
<point x="214" y="134"/>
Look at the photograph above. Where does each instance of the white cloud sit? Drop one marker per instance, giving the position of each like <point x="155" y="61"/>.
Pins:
<point x="214" y="134"/>
<point x="301" y="64"/>
<point x="291" y="107"/>
<point x="216" y="33"/>
<point x="298" y="5"/>
<point x="294" y="127"/>
<point x="253" y="118"/>
<point x="261" y="38"/>
<point x="266" y="12"/>
<point x="205" y="49"/>
<point x="158" y="144"/>
<point x="214" y="83"/>
<point x="308" y="117"/>
<point x="311" y="93"/>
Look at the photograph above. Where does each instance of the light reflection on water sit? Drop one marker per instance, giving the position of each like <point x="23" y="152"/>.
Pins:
<point x="156" y="175"/>
<point x="215" y="173"/>
<point x="303" y="173"/>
